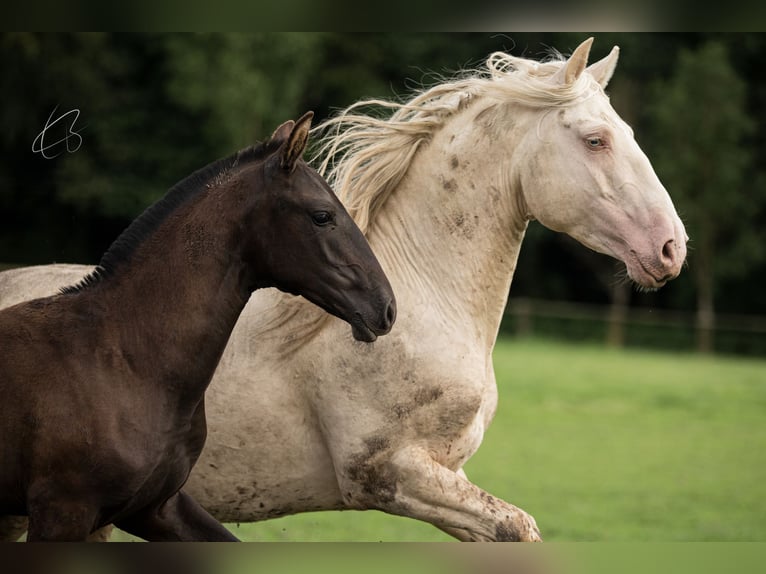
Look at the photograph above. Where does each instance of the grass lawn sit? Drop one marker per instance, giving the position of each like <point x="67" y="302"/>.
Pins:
<point x="604" y="445"/>
<point x="619" y="445"/>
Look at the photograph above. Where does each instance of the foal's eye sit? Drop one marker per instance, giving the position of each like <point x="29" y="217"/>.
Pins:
<point x="322" y="217"/>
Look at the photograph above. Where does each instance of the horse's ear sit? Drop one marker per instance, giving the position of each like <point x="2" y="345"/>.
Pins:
<point x="283" y="131"/>
<point x="292" y="149"/>
<point x="604" y="68"/>
<point x="575" y="65"/>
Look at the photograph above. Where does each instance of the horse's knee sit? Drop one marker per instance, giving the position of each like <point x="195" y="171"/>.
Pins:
<point x="371" y="479"/>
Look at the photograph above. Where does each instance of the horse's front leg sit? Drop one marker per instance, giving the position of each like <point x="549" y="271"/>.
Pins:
<point x="410" y="483"/>
<point x="459" y="533"/>
<point x="179" y="519"/>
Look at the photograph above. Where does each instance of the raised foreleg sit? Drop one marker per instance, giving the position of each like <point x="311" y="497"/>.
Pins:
<point x="459" y="533"/>
<point x="410" y="483"/>
<point x="178" y="519"/>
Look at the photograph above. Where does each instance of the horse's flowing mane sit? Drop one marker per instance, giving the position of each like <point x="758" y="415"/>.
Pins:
<point x="145" y="224"/>
<point x="364" y="155"/>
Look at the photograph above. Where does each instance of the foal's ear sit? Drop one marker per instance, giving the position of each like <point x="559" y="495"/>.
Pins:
<point x="292" y="149"/>
<point x="283" y="131"/>
<point x="604" y="68"/>
<point x="574" y="66"/>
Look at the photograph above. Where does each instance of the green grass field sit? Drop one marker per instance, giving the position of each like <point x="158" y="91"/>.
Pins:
<point x="604" y="445"/>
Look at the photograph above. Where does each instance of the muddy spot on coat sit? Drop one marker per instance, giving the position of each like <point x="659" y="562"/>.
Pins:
<point x="427" y="395"/>
<point x="422" y="397"/>
<point x="461" y="224"/>
<point x="376" y="444"/>
<point x="504" y="533"/>
<point x="372" y="471"/>
<point x="450" y="185"/>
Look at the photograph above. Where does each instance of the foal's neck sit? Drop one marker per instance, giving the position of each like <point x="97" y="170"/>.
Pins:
<point x="176" y="302"/>
<point x="451" y="233"/>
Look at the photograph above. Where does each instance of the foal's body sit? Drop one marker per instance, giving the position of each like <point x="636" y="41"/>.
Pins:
<point x="104" y="451"/>
<point x="102" y="386"/>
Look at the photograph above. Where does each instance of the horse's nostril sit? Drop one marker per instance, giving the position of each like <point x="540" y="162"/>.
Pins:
<point x="668" y="251"/>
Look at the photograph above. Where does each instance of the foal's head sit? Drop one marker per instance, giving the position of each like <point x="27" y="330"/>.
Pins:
<point x="301" y="240"/>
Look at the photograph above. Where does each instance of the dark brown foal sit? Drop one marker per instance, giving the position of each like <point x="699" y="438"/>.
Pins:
<point x="102" y="386"/>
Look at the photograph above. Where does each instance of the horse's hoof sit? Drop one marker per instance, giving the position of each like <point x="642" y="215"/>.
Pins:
<point x="530" y="531"/>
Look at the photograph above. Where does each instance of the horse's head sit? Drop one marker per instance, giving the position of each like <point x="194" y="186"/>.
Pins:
<point x="303" y="241"/>
<point x="585" y="175"/>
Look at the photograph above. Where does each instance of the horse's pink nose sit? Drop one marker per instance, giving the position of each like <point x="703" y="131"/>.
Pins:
<point x="671" y="258"/>
<point x="668" y="252"/>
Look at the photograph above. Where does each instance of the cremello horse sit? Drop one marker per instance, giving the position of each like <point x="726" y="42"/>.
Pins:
<point x="309" y="419"/>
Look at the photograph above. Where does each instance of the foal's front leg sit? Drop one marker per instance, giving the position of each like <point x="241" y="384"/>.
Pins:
<point x="179" y="519"/>
<point x="60" y="519"/>
<point x="12" y="527"/>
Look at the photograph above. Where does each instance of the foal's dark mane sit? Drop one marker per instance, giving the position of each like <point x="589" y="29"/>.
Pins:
<point x="147" y="223"/>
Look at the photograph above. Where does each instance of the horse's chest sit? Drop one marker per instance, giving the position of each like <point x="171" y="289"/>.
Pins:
<point x="455" y="429"/>
<point x="448" y="407"/>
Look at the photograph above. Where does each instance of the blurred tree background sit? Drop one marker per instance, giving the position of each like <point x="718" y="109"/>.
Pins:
<point x="155" y="107"/>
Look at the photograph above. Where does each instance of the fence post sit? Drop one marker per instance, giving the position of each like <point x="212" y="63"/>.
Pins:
<point x="523" y="317"/>
<point x="618" y="313"/>
<point x="705" y="327"/>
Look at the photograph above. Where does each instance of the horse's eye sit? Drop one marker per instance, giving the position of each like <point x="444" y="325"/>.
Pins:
<point x="594" y="142"/>
<point x="322" y="217"/>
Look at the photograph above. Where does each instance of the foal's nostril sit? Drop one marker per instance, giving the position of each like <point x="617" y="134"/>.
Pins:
<point x="390" y="314"/>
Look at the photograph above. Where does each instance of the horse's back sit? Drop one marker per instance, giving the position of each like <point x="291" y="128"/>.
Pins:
<point x="26" y="283"/>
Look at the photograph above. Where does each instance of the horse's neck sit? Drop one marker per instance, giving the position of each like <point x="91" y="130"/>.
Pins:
<point x="175" y="303"/>
<point x="450" y="235"/>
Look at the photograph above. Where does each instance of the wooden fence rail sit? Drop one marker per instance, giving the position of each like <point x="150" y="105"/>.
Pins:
<point x="618" y="325"/>
<point x="621" y="325"/>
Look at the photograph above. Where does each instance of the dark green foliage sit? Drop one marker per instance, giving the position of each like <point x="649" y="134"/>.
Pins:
<point x="155" y="107"/>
